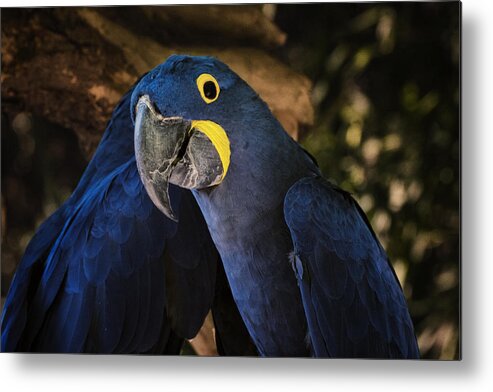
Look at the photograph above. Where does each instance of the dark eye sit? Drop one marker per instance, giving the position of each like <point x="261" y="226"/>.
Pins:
<point x="208" y="87"/>
<point x="210" y="90"/>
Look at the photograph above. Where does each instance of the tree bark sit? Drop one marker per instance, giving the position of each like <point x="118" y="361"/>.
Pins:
<point x="71" y="65"/>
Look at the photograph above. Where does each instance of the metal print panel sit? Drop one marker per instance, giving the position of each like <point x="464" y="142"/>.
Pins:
<point x="263" y="180"/>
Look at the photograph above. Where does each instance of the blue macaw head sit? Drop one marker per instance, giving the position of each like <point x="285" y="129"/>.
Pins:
<point x="196" y="124"/>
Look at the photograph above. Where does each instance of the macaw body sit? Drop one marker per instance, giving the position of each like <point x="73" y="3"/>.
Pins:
<point x="109" y="273"/>
<point x="306" y="270"/>
<point x="247" y="225"/>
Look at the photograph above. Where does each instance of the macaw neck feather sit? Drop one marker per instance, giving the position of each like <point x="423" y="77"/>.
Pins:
<point x="263" y="167"/>
<point x="245" y="218"/>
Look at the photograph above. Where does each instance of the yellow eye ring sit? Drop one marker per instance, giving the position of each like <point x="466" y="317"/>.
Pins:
<point x="208" y="88"/>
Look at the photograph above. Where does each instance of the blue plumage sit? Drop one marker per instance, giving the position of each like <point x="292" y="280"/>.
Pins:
<point x="105" y="244"/>
<point x="107" y="272"/>
<point x="272" y="203"/>
<point x="344" y="275"/>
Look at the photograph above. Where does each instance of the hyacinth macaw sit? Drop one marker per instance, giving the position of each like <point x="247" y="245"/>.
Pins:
<point x="109" y="273"/>
<point x="306" y="270"/>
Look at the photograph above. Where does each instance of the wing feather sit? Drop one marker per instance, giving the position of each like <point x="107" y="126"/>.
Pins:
<point x="353" y="302"/>
<point x="93" y="277"/>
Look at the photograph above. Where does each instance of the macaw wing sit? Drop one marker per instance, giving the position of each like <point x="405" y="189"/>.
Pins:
<point x="100" y="287"/>
<point x="14" y="313"/>
<point x="28" y="274"/>
<point x="352" y="299"/>
<point x="94" y="276"/>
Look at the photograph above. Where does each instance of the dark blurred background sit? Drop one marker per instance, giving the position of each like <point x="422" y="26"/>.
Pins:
<point x="386" y="93"/>
<point x="386" y="96"/>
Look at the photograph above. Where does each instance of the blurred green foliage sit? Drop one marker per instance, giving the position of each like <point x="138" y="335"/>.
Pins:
<point x="386" y="91"/>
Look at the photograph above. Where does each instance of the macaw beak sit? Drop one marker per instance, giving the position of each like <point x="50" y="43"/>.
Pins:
<point x="187" y="153"/>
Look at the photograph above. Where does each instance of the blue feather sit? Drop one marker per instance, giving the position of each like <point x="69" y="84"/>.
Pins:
<point x="268" y="204"/>
<point x="93" y="277"/>
<point x="353" y="301"/>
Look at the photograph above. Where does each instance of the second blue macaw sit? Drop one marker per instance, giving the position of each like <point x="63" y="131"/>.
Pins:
<point x="306" y="270"/>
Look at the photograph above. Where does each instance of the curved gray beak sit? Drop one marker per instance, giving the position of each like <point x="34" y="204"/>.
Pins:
<point x="170" y="150"/>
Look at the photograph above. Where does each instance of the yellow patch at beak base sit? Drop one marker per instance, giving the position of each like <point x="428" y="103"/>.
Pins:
<point x="219" y="139"/>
